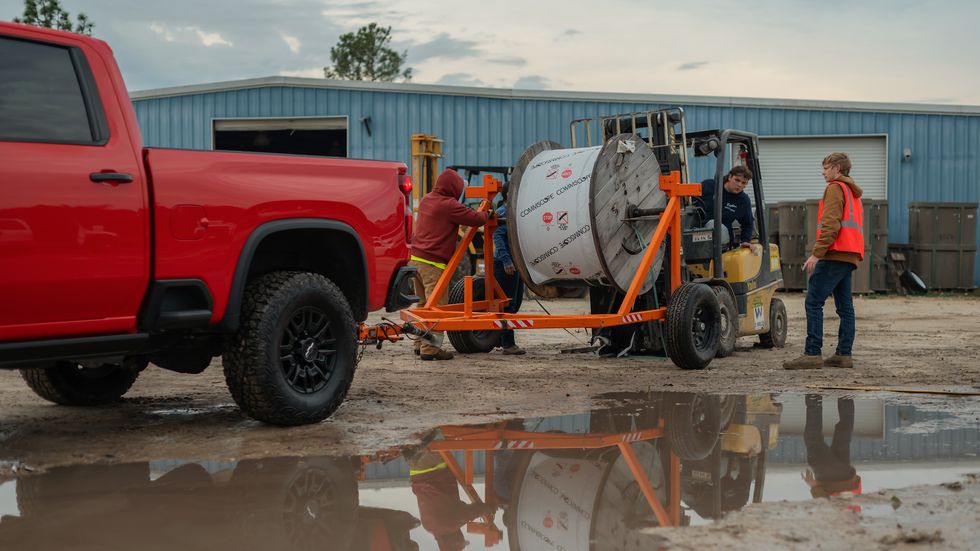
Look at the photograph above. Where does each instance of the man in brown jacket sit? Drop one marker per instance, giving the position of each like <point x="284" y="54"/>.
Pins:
<point x="440" y="214"/>
<point x="838" y="249"/>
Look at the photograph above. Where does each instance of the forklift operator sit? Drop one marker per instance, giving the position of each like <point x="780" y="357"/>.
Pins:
<point x="736" y="204"/>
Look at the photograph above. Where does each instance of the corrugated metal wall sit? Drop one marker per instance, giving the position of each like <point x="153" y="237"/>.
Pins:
<point x="945" y="163"/>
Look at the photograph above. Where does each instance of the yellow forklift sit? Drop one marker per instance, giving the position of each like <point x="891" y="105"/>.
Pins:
<point x="744" y="279"/>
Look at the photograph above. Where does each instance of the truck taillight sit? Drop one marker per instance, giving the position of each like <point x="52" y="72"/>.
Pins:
<point x="406" y="187"/>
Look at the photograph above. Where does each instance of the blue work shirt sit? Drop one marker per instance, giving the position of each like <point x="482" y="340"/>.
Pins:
<point x="736" y="206"/>
<point x="501" y="247"/>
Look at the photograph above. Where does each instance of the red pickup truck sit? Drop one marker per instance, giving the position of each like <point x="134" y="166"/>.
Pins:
<point x="114" y="255"/>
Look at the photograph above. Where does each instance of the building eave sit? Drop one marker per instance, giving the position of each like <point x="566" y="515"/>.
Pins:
<point x="545" y="95"/>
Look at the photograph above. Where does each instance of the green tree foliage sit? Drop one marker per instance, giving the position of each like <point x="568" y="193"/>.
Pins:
<point x="365" y="55"/>
<point x="50" y="14"/>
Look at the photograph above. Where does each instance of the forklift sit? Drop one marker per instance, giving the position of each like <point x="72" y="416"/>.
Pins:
<point x="743" y="279"/>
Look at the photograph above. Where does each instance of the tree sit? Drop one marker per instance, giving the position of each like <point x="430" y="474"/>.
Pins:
<point x="50" y="14"/>
<point x="365" y="55"/>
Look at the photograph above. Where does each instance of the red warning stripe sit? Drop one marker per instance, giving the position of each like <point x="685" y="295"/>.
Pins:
<point x="515" y="324"/>
<point x="632" y="318"/>
<point x="515" y="445"/>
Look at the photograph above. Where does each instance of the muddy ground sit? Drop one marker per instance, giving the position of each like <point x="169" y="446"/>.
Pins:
<point x="929" y="342"/>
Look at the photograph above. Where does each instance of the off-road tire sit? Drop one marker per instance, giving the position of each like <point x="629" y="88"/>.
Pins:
<point x="312" y="500"/>
<point x="728" y="334"/>
<point x="254" y="363"/>
<point x="690" y="346"/>
<point x="693" y="426"/>
<point x="472" y="342"/>
<point x="69" y="384"/>
<point x="776" y="337"/>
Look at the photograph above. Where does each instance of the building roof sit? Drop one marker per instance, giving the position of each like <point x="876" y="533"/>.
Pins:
<point x="606" y="97"/>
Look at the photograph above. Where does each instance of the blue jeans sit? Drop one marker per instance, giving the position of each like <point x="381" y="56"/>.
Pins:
<point x="514" y="289"/>
<point x="830" y="277"/>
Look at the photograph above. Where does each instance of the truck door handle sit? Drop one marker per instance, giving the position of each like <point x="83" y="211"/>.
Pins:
<point x="112" y="177"/>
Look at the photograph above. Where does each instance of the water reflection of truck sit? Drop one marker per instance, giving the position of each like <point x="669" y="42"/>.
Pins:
<point x="292" y="504"/>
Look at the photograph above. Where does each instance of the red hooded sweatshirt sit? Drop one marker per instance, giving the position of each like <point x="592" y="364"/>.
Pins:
<point x="440" y="214"/>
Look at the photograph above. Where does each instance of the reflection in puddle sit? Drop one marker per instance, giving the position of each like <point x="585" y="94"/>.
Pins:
<point x="588" y="481"/>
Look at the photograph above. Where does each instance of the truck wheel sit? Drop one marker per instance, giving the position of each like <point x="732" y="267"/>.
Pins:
<point x="72" y="384"/>
<point x="693" y="326"/>
<point x="293" y="358"/>
<point x="776" y="337"/>
<point x="693" y="426"/>
<point x="297" y="503"/>
<point x="471" y="342"/>
<point x="729" y="322"/>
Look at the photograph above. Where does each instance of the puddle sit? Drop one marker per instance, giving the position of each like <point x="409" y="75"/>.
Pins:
<point x="588" y="481"/>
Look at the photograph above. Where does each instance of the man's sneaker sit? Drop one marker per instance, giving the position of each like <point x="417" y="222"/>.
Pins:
<point x="839" y="361"/>
<point x="440" y="355"/>
<point x="804" y="362"/>
<point x="514" y="351"/>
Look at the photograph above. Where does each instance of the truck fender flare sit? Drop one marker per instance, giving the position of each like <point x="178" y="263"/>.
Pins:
<point x="229" y="322"/>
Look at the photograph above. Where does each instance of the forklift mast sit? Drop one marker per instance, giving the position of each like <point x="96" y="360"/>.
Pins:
<point x="426" y="152"/>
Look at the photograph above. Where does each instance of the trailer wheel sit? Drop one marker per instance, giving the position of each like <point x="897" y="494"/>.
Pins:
<point x="471" y="342"/>
<point x="72" y="384"/>
<point x="293" y="357"/>
<point x="693" y="326"/>
<point x="776" y="337"/>
<point x="729" y="322"/>
<point x="693" y="425"/>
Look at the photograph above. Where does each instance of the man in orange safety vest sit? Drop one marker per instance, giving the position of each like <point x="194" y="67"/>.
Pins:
<point x="838" y="249"/>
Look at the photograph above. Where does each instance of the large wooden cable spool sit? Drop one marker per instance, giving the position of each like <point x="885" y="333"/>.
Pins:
<point x="571" y="213"/>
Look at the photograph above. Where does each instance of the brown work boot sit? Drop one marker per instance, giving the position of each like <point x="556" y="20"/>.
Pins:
<point x="440" y="355"/>
<point x="839" y="361"/>
<point x="804" y="362"/>
<point x="513" y="351"/>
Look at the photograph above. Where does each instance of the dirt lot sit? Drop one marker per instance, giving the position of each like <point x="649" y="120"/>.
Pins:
<point x="920" y="342"/>
<point x="910" y="342"/>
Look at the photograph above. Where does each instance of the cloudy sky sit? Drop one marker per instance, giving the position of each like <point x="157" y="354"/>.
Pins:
<point x="870" y="50"/>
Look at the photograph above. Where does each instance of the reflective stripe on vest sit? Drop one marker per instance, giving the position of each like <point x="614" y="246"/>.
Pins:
<point x="439" y="466"/>
<point x="850" y="238"/>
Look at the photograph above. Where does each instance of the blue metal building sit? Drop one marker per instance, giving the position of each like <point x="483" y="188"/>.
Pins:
<point x="904" y="152"/>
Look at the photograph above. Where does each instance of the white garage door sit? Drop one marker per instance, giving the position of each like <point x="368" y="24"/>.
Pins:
<point x="791" y="166"/>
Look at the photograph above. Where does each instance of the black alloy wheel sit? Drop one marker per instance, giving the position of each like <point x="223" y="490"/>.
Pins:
<point x="308" y="350"/>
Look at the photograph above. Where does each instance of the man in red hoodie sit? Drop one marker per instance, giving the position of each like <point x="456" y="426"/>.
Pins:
<point x="838" y="250"/>
<point x="440" y="214"/>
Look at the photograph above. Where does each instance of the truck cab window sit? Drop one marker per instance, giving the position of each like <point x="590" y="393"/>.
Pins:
<point x="40" y="96"/>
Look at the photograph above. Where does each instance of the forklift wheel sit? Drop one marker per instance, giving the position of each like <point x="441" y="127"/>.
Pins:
<point x="693" y="326"/>
<point x="776" y="337"/>
<point x="471" y="342"/>
<point x="729" y="322"/>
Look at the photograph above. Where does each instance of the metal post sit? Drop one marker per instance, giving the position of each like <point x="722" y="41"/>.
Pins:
<point x="670" y="212"/>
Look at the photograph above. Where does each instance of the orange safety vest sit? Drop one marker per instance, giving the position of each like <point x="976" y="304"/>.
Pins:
<point x="850" y="238"/>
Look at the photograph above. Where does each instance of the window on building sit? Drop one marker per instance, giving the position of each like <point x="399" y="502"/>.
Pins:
<point x="41" y="98"/>
<point x="322" y="136"/>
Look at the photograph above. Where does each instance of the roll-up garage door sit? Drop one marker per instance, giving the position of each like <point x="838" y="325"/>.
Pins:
<point x="791" y="166"/>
